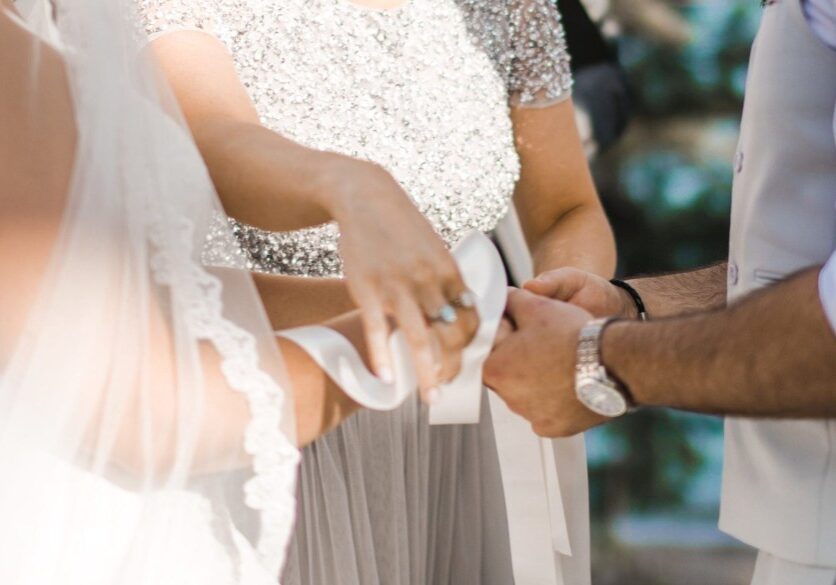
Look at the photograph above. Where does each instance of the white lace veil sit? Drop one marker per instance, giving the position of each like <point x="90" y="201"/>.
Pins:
<point x="146" y="429"/>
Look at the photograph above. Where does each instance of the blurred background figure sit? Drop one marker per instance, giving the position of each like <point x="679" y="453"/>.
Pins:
<point x="601" y="93"/>
<point x="675" y="71"/>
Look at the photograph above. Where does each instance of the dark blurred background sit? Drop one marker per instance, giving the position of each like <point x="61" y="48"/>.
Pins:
<point x="665" y="178"/>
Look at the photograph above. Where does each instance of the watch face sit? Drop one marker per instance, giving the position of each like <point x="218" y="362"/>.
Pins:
<point x="600" y="398"/>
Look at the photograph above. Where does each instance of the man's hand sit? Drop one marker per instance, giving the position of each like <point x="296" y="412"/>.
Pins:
<point x="584" y="289"/>
<point x="532" y="367"/>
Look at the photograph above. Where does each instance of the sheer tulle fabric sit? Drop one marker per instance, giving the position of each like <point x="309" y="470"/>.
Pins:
<point x="145" y="429"/>
<point x="388" y="500"/>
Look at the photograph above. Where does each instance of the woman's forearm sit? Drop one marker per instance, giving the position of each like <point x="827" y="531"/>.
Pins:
<point x="294" y="301"/>
<point x="580" y="238"/>
<point x="556" y="200"/>
<point x="320" y="405"/>
<point x="263" y="178"/>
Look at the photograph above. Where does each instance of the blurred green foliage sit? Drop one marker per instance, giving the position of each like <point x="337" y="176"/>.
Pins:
<point x="707" y="74"/>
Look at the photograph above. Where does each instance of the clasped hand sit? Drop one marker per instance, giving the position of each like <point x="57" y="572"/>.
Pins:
<point x="532" y="365"/>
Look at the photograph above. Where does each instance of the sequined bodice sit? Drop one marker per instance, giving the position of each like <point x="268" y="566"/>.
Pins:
<point x="422" y="89"/>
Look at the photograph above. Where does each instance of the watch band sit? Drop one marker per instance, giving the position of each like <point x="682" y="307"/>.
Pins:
<point x="589" y="347"/>
<point x="589" y="355"/>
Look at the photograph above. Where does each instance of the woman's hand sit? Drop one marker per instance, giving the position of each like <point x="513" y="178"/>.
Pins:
<point x="398" y="268"/>
<point x="396" y="265"/>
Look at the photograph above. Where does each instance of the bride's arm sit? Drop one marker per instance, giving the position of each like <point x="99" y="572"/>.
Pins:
<point x="26" y="240"/>
<point x="395" y="264"/>
<point x="319" y="405"/>
<point x="37" y="155"/>
<point x="555" y="198"/>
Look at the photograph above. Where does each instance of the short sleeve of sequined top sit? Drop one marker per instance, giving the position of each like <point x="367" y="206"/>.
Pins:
<point x="539" y="69"/>
<point x="162" y="16"/>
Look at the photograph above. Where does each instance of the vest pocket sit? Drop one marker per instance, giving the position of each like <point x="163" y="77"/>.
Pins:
<point x="768" y="276"/>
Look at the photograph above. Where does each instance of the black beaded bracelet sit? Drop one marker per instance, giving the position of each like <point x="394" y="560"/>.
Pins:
<point x="637" y="299"/>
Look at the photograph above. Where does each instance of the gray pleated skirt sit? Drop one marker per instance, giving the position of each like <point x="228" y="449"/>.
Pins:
<point x="386" y="499"/>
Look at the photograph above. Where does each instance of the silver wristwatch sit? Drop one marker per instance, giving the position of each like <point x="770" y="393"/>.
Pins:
<point x="594" y="387"/>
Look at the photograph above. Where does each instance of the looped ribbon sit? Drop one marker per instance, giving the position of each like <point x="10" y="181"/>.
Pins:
<point x="537" y="523"/>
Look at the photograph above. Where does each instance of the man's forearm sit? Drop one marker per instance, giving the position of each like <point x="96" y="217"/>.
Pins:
<point x="773" y="354"/>
<point x="682" y="293"/>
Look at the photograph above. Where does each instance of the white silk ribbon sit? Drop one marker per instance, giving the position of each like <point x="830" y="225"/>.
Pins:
<point x="538" y="530"/>
<point x="459" y="401"/>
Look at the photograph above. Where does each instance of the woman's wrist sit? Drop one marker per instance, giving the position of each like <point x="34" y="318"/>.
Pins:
<point x="325" y="182"/>
<point x="336" y="178"/>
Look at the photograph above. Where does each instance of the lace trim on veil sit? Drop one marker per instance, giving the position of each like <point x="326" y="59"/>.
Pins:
<point x="271" y="490"/>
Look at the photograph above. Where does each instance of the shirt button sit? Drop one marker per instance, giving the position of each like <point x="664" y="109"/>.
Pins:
<point x="733" y="273"/>
<point x="738" y="162"/>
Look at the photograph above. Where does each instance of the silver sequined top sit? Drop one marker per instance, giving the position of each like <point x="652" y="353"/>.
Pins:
<point x="423" y="89"/>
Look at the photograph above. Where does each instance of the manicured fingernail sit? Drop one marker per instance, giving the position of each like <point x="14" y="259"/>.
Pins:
<point x="386" y="375"/>
<point x="433" y="395"/>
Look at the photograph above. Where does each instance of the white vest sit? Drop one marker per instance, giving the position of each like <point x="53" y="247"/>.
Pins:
<point x="779" y="481"/>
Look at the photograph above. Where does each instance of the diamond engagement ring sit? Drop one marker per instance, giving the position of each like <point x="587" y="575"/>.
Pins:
<point x="446" y="314"/>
